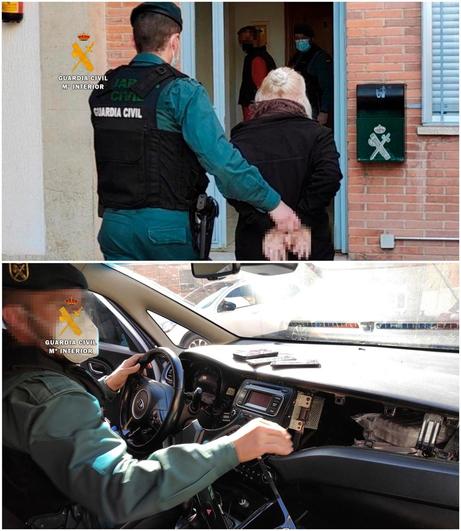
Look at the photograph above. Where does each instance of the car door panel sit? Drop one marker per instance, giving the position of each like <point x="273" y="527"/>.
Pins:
<point x="118" y="340"/>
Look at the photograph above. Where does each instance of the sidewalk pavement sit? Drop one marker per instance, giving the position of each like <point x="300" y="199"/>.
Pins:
<point x="228" y="256"/>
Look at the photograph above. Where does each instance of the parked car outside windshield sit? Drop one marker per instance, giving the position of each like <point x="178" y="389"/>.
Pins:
<point x="412" y="305"/>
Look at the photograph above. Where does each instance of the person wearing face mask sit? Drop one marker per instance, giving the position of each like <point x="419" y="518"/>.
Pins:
<point x="258" y="63"/>
<point x="316" y="67"/>
<point x="63" y="465"/>
<point x="155" y="137"/>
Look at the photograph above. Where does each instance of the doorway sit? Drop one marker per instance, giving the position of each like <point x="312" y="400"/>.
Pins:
<point x="319" y="16"/>
<point x="217" y="62"/>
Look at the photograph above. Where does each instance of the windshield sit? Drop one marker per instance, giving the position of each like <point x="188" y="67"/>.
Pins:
<point x="205" y="295"/>
<point x="409" y="304"/>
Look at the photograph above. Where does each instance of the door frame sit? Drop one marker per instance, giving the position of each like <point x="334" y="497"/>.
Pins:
<point x="219" y="102"/>
<point x="340" y="121"/>
<point x="188" y="66"/>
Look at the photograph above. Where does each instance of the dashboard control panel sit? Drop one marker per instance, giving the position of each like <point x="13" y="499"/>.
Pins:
<point x="271" y="401"/>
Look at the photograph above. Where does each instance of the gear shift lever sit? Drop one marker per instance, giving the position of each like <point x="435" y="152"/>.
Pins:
<point x="196" y="399"/>
<point x="267" y="476"/>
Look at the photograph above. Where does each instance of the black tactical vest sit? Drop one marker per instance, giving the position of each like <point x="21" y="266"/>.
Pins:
<point x="28" y="493"/>
<point x="139" y="165"/>
<point x="248" y="88"/>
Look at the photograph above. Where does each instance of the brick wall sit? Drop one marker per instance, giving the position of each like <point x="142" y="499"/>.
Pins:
<point x="176" y="277"/>
<point x="119" y="41"/>
<point x="416" y="198"/>
<point x="420" y="196"/>
<point x="119" y="36"/>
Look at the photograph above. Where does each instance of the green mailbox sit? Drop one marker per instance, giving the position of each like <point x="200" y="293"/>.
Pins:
<point x="381" y="122"/>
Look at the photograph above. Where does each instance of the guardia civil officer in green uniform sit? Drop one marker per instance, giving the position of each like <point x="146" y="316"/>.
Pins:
<point x="63" y="466"/>
<point x="155" y="137"/>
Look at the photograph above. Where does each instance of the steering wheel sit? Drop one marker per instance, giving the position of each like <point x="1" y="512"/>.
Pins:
<point x="149" y="409"/>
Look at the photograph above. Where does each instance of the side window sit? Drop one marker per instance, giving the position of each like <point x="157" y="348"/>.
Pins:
<point x="177" y="334"/>
<point x="111" y="330"/>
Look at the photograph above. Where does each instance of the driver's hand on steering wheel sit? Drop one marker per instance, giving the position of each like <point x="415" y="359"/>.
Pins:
<point x="116" y="380"/>
<point x="260" y="437"/>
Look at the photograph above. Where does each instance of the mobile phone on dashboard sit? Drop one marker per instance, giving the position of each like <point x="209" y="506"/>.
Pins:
<point x="244" y="355"/>
<point x="285" y="363"/>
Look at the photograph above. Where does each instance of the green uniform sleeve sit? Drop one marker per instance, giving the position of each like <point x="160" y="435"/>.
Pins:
<point x="109" y="394"/>
<point x="67" y="437"/>
<point x="235" y="177"/>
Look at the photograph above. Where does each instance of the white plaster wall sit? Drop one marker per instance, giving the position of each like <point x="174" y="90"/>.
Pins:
<point x="69" y="166"/>
<point x="22" y="169"/>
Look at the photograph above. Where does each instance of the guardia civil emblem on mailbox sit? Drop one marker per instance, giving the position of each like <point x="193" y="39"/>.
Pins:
<point x="379" y="142"/>
<point x="381" y="122"/>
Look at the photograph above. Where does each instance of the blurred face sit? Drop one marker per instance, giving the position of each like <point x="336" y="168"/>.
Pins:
<point x="33" y="316"/>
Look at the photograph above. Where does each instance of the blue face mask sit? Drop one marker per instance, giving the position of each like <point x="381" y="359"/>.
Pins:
<point x="303" y="45"/>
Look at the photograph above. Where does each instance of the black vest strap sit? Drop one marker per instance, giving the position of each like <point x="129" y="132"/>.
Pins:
<point x="158" y="75"/>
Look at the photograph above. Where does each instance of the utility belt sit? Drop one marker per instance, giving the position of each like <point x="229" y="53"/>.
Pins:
<point x="202" y="218"/>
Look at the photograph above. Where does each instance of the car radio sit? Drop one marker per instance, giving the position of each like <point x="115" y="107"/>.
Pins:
<point x="265" y="400"/>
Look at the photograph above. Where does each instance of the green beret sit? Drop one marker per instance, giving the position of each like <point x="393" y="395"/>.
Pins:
<point x="168" y="9"/>
<point x="42" y="277"/>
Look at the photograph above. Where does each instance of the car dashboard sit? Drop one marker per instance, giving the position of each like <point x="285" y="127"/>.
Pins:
<point x="378" y="422"/>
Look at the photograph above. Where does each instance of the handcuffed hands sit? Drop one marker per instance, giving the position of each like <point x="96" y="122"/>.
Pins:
<point x="277" y="244"/>
<point x="285" y="218"/>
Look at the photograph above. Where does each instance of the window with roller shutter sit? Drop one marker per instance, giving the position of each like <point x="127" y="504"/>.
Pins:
<point x="441" y="63"/>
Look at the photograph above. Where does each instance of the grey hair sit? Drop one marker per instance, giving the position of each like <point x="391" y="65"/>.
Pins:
<point x="284" y="83"/>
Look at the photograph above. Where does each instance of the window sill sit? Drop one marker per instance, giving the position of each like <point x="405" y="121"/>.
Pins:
<point x="439" y="130"/>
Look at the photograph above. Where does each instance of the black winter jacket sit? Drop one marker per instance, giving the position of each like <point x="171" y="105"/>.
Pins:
<point x="298" y="158"/>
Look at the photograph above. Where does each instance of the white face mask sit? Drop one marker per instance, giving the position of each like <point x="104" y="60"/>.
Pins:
<point x="76" y="337"/>
<point x="175" y="58"/>
<point x="174" y="61"/>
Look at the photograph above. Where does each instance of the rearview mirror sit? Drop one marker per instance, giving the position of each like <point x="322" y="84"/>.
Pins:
<point x="214" y="270"/>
